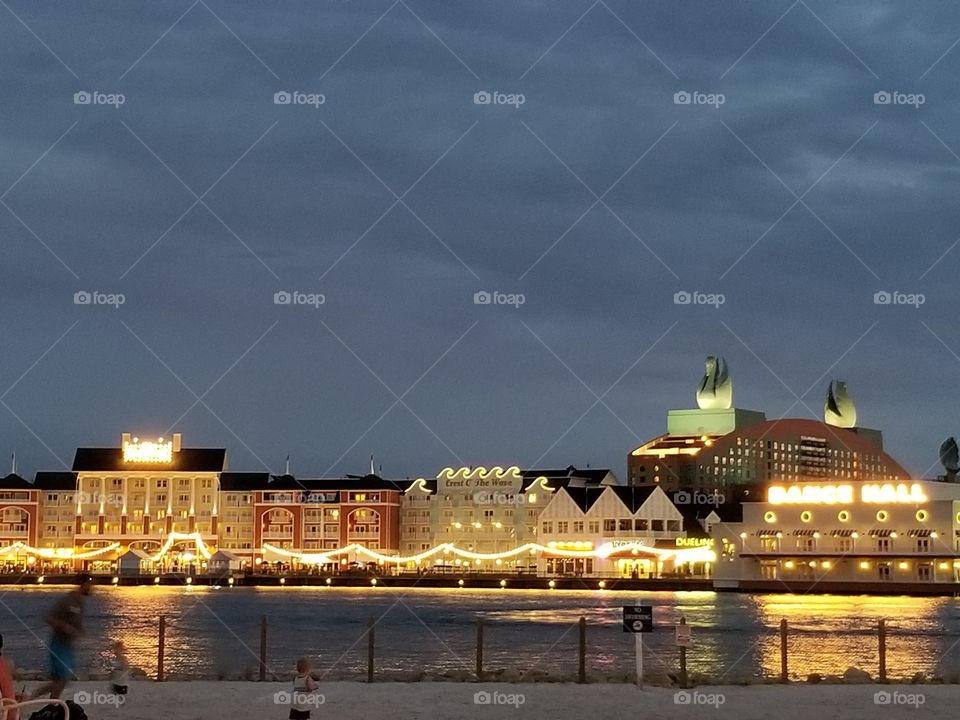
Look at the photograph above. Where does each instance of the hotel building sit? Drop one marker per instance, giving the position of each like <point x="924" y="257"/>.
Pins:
<point x="175" y="506"/>
<point x="313" y="515"/>
<point x="847" y="536"/>
<point x="717" y="448"/>
<point x="486" y="510"/>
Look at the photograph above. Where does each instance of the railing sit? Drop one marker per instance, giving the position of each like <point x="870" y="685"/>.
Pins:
<point x="579" y="649"/>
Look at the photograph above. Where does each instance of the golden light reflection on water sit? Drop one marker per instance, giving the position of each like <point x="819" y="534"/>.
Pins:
<point x="215" y="632"/>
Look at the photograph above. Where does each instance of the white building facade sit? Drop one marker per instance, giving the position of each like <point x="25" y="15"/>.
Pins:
<point x="871" y="537"/>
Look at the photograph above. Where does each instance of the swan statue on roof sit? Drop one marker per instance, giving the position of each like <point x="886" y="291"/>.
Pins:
<point x="715" y="391"/>
<point x="838" y="409"/>
<point x="950" y="458"/>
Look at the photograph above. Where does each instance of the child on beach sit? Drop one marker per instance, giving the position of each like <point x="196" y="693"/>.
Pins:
<point x="303" y="688"/>
<point x="120" y="670"/>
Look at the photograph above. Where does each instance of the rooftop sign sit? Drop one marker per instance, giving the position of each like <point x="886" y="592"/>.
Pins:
<point x="875" y="493"/>
<point x="136" y="450"/>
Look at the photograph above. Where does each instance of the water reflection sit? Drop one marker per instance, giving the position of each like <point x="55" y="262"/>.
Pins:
<point x="215" y="632"/>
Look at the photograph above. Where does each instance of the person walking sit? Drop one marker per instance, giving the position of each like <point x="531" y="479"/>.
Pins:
<point x="66" y="623"/>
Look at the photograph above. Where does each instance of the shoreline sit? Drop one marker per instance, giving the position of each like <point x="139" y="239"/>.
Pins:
<point x="499" y="582"/>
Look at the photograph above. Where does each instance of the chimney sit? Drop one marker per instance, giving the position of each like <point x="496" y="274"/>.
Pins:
<point x="176" y="442"/>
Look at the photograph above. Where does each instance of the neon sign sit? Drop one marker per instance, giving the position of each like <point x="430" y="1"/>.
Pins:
<point x="810" y="494"/>
<point x="873" y="493"/>
<point x="145" y="451"/>
<point x="683" y="542"/>
<point x="890" y="493"/>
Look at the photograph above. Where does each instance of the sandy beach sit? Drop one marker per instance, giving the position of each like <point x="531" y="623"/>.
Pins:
<point x="348" y="701"/>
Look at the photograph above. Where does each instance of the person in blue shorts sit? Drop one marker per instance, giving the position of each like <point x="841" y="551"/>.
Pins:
<point x="66" y="622"/>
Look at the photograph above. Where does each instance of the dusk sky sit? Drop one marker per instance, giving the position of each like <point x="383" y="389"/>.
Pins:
<point x="816" y="164"/>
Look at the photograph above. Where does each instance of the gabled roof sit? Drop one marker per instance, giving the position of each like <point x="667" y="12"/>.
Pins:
<point x="584" y="497"/>
<point x="15" y="482"/>
<point x="350" y="482"/>
<point x="633" y="496"/>
<point x="186" y="460"/>
<point x="569" y="476"/>
<point x="244" y="481"/>
<point x="55" y="480"/>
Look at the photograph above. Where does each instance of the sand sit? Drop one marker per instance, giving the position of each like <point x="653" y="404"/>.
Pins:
<point x="439" y="701"/>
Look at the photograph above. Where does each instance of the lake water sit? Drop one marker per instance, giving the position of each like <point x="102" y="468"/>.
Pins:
<point x="215" y="632"/>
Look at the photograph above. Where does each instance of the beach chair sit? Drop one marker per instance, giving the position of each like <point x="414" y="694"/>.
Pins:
<point x="9" y="704"/>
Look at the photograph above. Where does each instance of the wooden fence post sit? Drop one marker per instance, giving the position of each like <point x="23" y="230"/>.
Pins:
<point x="582" y="664"/>
<point x="683" y="659"/>
<point x="263" y="648"/>
<point x="160" y="642"/>
<point x="883" y="650"/>
<point x="783" y="652"/>
<point x="479" y="648"/>
<point x="370" y="651"/>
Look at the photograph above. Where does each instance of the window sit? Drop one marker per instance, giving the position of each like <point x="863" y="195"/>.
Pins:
<point x="656" y="525"/>
<point x="562" y="527"/>
<point x="640" y="525"/>
<point x="609" y="525"/>
<point x="625" y="525"/>
<point x="578" y="526"/>
<point x="547" y="527"/>
<point x="769" y="544"/>
<point x="923" y="544"/>
<point x="593" y="527"/>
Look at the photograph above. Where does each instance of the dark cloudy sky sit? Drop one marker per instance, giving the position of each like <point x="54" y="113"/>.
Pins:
<point x="600" y="197"/>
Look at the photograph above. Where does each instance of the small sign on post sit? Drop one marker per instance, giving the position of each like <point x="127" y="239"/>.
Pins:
<point x="638" y="619"/>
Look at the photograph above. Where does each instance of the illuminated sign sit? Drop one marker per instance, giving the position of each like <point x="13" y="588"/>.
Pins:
<point x="683" y="542"/>
<point x="145" y="451"/>
<point x="810" y="494"/>
<point x="801" y="494"/>
<point x="890" y="493"/>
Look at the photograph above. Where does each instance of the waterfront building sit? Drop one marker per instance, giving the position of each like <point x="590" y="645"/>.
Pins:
<point x="57" y="528"/>
<point x="843" y="536"/>
<point x="312" y="515"/>
<point x="236" y="528"/>
<point x="19" y="515"/>
<point x="484" y="510"/>
<point x="633" y="532"/>
<point x="150" y="496"/>
<point x="717" y="447"/>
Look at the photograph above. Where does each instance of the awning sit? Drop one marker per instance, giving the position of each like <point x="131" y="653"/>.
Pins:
<point x="842" y="533"/>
